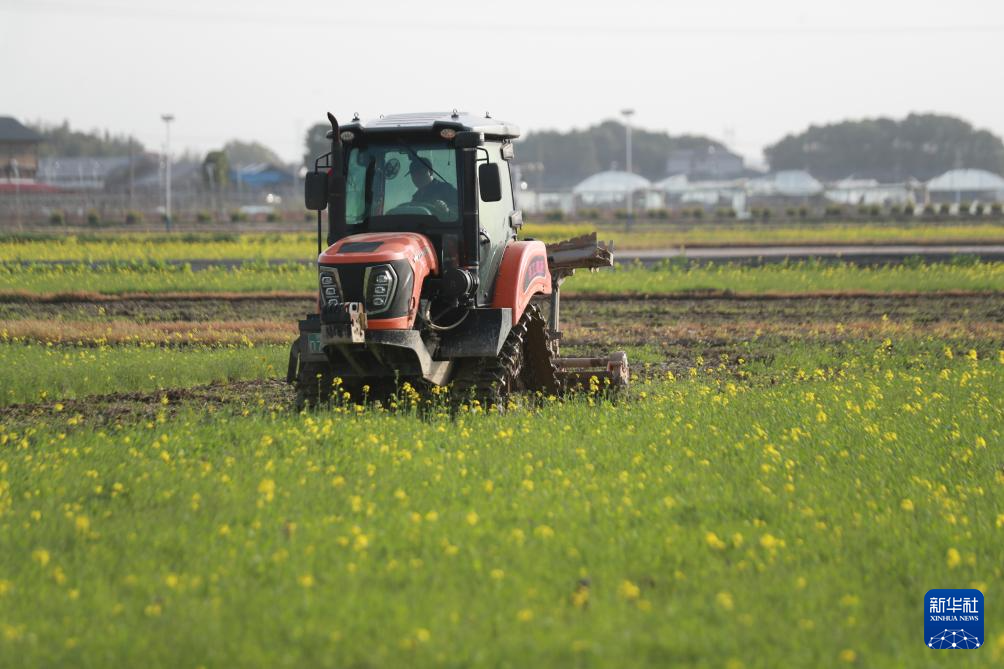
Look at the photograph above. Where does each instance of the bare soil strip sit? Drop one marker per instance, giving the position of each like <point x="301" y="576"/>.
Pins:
<point x="627" y="310"/>
<point x="21" y="296"/>
<point x="136" y="406"/>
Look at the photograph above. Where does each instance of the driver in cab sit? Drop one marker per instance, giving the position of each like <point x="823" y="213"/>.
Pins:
<point x="429" y="190"/>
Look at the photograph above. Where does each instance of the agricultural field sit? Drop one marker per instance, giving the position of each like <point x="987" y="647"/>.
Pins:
<point x="297" y="244"/>
<point x="806" y="449"/>
<point x="667" y="278"/>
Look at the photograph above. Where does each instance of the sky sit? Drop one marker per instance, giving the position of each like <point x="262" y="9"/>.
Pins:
<point x="747" y="73"/>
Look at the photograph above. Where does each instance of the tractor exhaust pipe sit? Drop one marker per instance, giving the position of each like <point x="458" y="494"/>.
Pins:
<point x="336" y="186"/>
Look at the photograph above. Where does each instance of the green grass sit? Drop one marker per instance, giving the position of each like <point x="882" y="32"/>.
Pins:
<point x="792" y="277"/>
<point x="665" y="278"/>
<point x="790" y="514"/>
<point x="255" y="276"/>
<point x="34" y="372"/>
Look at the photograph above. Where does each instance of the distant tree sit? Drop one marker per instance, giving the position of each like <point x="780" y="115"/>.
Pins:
<point x="920" y="146"/>
<point x="216" y="170"/>
<point x="62" y="141"/>
<point x="316" y="143"/>
<point x="246" y="153"/>
<point x="570" y="157"/>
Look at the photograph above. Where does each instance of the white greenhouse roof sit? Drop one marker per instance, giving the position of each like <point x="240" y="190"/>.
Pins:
<point x="612" y="182"/>
<point x="678" y="183"/>
<point x="792" y="183"/>
<point x="966" y="180"/>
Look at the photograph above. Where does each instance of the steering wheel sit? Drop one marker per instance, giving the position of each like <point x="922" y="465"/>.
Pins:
<point x="436" y="208"/>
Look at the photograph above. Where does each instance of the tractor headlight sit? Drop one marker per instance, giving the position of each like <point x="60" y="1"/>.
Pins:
<point x="381" y="285"/>
<point x="331" y="289"/>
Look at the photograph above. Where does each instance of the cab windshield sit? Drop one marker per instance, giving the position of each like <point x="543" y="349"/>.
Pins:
<point x="401" y="178"/>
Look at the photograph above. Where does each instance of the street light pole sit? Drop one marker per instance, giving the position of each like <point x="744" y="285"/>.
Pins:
<point x="628" y="113"/>
<point x="167" y="118"/>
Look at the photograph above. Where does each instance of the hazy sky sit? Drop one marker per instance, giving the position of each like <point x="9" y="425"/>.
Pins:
<point x="745" y="72"/>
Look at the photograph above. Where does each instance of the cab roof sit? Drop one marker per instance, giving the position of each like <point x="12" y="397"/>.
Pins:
<point x="436" y="120"/>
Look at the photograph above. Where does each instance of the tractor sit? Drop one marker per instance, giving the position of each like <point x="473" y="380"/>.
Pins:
<point x="422" y="276"/>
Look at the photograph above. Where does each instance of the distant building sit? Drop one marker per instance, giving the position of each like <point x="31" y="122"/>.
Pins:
<point x="612" y="189"/>
<point x="785" y="185"/>
<point x="711" y="162"/>
<point x="869" y="192"/>
<point x="80" y="173"/>
<point x="966" y="186"/>
<point x="260" y="176"/>
<point x="18" y="150"/>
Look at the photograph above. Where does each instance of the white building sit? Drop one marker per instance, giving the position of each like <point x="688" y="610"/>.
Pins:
<point x="613" y="187"/>
<point x="966" y="186"/>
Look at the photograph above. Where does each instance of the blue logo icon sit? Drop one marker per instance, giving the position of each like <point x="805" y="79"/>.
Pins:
<point x="953" y="619"/>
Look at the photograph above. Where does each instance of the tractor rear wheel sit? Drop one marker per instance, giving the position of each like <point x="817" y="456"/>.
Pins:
<point x="523" y="364"/>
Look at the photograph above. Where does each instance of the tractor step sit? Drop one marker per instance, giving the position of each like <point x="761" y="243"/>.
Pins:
<point x="578" y="372"/>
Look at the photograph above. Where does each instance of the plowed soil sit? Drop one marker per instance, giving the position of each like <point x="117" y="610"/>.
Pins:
<point x="659" y="333"/>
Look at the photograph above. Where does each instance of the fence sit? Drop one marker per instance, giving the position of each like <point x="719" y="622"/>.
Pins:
<point x="31" y="209"/>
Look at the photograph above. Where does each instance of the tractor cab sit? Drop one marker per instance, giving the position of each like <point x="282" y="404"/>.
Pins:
<point x="444" y="176"/>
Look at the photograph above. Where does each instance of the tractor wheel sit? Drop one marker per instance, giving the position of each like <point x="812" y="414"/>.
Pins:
<point x="523" y="364"/>
<point x="313" y="385"/>
<point x="316" y="386"/>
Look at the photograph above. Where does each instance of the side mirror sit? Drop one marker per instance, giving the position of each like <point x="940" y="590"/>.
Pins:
<point x="489" y="182"/>
<point x="468" y="139"/>
<point x="315" y="190"/>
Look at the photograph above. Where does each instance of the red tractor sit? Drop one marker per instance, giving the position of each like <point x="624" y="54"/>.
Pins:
<point x="423" y="278"/>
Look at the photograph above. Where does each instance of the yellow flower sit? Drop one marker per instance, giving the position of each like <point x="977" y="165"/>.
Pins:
<point x="848" y="655"/>
<point x="472" y="518"/>
<point x="712" y="540"/>
<point x="497" y="574"/>
<point x="82" y="523"/>
<point x="153" y="610"/>
<point x="628" y="590"/>
<point x="543" y="531"/>
<point x="953" y="558"/>
<point x="524" y="615"/>
<point x="267" y="489"/>
<point x="580" y="597"/>
<point x="422" y="635"/>
<point x="41" y="556"/>
<point x="906" y="505"/>
<point x="770" y="542"/>
<point x="306" y="581"/>
<point x="725" y="601"/>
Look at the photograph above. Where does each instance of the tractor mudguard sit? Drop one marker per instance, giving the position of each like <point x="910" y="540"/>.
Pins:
<point x="523" y="273"/>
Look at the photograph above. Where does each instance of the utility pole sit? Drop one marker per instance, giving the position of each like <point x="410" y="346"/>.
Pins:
<point x="628" y="113"/>
<point x="167" y="118"/>
<point x="132" y="175"/>
<point x="17" y="192"/>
